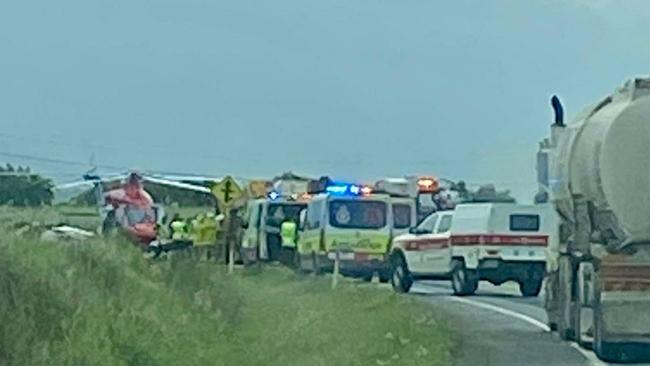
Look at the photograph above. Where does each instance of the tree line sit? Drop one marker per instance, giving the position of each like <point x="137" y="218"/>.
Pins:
<point x="20" y="187"/>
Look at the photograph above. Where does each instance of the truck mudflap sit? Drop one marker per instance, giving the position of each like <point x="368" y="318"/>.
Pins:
<point x="626" y="316"/>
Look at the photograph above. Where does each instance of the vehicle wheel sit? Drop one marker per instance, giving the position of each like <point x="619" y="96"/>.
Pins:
<point x="298" y="264"/>
<point x="606" y="351"/>
<point x="464" y="282"/>
<point x="401" y="278"/>
<point x="530" y="288"/>
<point x="384" y="276"/>
<point x="565" y="319"/>
<point x="316" y="265"/>
<point x="367" y="277"/>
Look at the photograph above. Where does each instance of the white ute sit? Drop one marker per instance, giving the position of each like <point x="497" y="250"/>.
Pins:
<point x="494" y="242"/>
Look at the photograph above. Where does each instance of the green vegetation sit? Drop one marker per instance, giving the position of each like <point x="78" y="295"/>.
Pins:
<point x="102" y="303"/>
<point x="20" y="187"/>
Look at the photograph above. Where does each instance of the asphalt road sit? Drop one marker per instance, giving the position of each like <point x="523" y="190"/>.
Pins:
<point x="499" y="327"/>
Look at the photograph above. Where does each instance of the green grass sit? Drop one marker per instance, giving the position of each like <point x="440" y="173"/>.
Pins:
<point x="102" y="303"/>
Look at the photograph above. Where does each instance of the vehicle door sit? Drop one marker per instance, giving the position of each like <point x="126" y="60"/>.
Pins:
<point x="440" y="255"/>
<point x="309" y="239"/>
<point x="403" y="216"/>
<point x="419" y="246"/>
<point x="251" y="232"/>
<point x="261" y="231"/>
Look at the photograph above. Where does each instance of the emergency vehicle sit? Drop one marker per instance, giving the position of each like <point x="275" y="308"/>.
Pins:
<point x="264" y="216"/>
<point x="420" y="189"/>
<point x="354" y="223"/>
<point x="494" y="242"/>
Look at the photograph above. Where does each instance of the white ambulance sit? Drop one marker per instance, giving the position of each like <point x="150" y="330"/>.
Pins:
<point x="494" y="242"/>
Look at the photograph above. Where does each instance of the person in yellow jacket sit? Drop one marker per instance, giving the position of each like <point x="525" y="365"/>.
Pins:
<point x="205" y="230"/>
<point x="289" y="238"/>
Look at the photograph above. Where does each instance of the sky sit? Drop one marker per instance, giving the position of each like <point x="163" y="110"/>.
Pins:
<point x="357" y="90"/>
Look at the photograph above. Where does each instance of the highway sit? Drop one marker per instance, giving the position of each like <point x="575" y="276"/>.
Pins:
<point x="499" y="327"/>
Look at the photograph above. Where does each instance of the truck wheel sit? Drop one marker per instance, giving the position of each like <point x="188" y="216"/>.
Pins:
<point x="606" y="351"/>
<point x="400" y="279"/>
<point x="464" y="281"/>
<point x="565" y="319"/>
<point x="367" y="277"/>
<point x="530" y="288"/>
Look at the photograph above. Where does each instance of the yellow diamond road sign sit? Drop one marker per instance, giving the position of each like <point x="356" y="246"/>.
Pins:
<point x="227" y="191"/>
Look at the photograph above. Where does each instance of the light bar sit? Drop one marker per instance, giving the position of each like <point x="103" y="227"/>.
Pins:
<point x="345" y="189"/>
<point x="366" y="191"/>
<point x="337" y="189"/>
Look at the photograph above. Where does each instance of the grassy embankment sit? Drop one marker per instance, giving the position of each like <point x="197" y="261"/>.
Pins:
<point x="102" y="303"/>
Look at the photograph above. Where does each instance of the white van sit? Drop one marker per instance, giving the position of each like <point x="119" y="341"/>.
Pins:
<point x="261" y="237"/>
<point x="494" y="242"/>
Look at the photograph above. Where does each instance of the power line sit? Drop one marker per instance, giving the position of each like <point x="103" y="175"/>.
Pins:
<point x="55" y="161"/>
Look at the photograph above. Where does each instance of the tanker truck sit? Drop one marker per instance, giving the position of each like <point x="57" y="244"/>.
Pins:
<point x="595" y="171"/>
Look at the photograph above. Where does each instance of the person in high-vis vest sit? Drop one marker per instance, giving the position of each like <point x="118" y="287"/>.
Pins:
<point x="289" y="237"/>
<point x="180" y="236"/>
<point x="205" y="235"/>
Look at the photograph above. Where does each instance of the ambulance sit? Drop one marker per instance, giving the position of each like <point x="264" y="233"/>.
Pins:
<point x="420" y="189"/>
<point x="354" y="223"/>
<point x="494" y="242"/>
<point x="263" y="217"/>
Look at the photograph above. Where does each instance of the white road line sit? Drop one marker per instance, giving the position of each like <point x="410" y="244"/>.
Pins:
<point x="590" y="356"/>
<point x="503" y="311"/>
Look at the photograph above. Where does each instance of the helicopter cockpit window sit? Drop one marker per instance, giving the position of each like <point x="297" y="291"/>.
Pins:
<point x="137" y="215"/>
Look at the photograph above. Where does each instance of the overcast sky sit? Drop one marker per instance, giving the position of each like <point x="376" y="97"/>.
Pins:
<point x="352" y="88"/>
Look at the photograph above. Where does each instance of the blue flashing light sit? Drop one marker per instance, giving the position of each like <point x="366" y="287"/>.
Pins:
<point x="274" y="195"/>
<point x="354" y="189"/>
<point x="339" y="189"/>
<point x="343" y="189"/>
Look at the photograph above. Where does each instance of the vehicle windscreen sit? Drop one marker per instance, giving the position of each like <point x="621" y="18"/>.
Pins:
<point x="520" y="222"/>
<point x="425" y="205"/>
<point x="279" y="212"/>
<point x="357" y="214"/>
<point x="401" y="215"/>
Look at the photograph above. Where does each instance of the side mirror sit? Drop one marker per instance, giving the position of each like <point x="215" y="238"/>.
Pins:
<point x="413" y="230"/>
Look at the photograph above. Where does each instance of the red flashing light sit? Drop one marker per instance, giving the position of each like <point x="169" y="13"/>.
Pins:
<point x="427" y="184"/>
